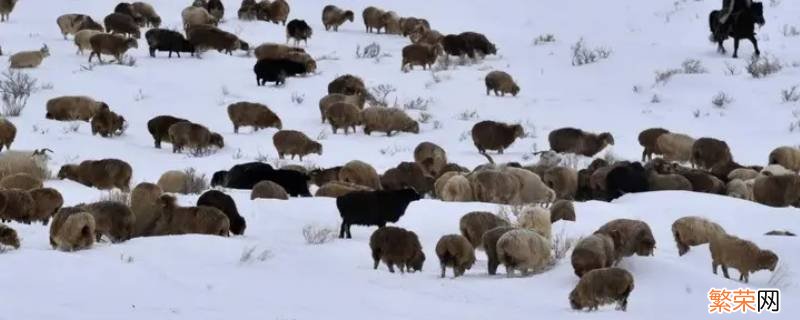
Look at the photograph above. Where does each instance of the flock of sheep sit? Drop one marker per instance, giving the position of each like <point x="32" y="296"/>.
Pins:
<point x="364" y="197"/>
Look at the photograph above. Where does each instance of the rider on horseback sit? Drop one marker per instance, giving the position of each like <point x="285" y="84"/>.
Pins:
<point x="729" y="7"/>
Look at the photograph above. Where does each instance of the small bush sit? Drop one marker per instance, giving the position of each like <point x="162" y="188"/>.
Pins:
<point x="298" y="98"/>
<point x="692" y="66"/>
<point x="437" y="125"/>
<point x="393" y="150"/>
<point x="655" y="98"/>
<point x="248" y="255"/>
<point x="195" y="182"/>
<point x="468" y="115"/>
<point x="16" y="87"/>
<point x="760" y="67"/>
<point x="323" y="134"/>
<point x="370" y="51"/>
<point x="781" y="277"/>
<point x="116" y="196"/>
<point x="544" y="39"/>
<point x="71" y="127"/>
<point x="418" y="104"/>
<point x="561" y="245"/>
<point x="139" y="96"/>
<point x="316" y="235"/>
<point x="380" y="93"/>
<point x="721" y="99"/>
<point x="582" y="55"/>
<point x="790" y="95"/>
<point x="424" y="117"/>
<point x="662" y="77"/>
<point x="790" y="31"/>
<point x="731" y="69"/>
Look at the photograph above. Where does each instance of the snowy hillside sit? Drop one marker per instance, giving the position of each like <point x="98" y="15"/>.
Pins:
<point x="202" y="277"/>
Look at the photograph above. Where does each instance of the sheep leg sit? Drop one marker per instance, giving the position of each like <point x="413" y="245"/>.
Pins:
<point x="725" y="271"/>
<point x="492" y="266"/>
<point x="735" y="47"/>
<point x="444" y="268"/>
<point x="342" y="227"/>
<point x="720" y="47"/>
<point x="376" y="258"/>
<point x="391" y="267"/>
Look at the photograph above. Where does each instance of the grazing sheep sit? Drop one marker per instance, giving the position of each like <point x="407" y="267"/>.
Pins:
<point x="167" y="40"/>
<point x="247" y="175"/>
<point x="18" y="206"/>
<point x="22" y="181"/>
<point x="329" y="100"/>
<point x="455" y="251"/>
<point x="562" y="210"/>
<point x="389" y="120"/>
<point x="745" y="256"/>
<point x="489" y="240"/>
<point x="431" y="158"/>
<point x="147" y="12"/>
<point x="703" y="181"/>
<point x="333" y="17"/>
<point x="426" y="36"/>
<point x="216" y="9"/>
<point x="175" y="220"/>
<point x="630" y="236"/>
<point x="494" y="186"/>
<point x="335" y="189"/>
<point x="276" y="70"/>
<point x="407" y="175"/>
<point x="523" y="250"/>
<point x="738" y="188"/>
<point x="675" y="146"/>
<point x="396" y="246"/>
<point x="409" y="24"/>
<point x="500" y="82"/>
<point x="537" y="219"/>
<point x="420" y="55"/>
<point x="373" y="19"/>
<point x="159" y="128"/>
<point x="293" y="143"/>
<point x="298" y="30"/>
<point x="241" y="176"/>
<point x="349" y="85"/>
<point x="788" y="157"/>
<point x="648" y="139"/>
<point x="474" y="224"/>
<point x="186" y="134"/>
<point x="672" y="181"/>
<point x="28" y="59"/>
<point x="72" y="230"/>
<point x="145" y="207"/>
<point x="373" y="208"/>
<point x="69" y="108"/>
<point x="563" y="180"/>
<point x="223" y="202"/>
<point x="47" y="201"/>
<point x="122" y="23"/>
<point x="593" y="252"/>
<point x="468" y="43"/>
<point x="360" y="173"/>
<point x="173" y="181"/>
<point x="602" y="286"/>
<point x="344" y="115"/>
<point x="322" y="176"/>
<point x="693" y="231"/>
<point x="743" y="174"/>
<point x="777" y="191"/>
<point x="205" y="37"/>
<point x="252" y="114"/>
<point x="456" y="189"/>
<point x="102" y="174"/>
<point x="107" y="123"/>
<point x="6" y="6"/>
<point x="391" y="22"/>
<point x="8" y="236"/>
<point x="33" y="163"/>
<point x="491" y="135"/>
<point x="194" y="16"/>
<point x="625" y="178"/>
<point x="73" y="22"/>
<point x="82" y="39"/>
<point x="113" y="219"/>
<point x="709" y="152"/>
<point x="268" y="190"/>
<point x="111" y="45"/>
<point x="577" y="141"/>
<point x="278" y="11"/>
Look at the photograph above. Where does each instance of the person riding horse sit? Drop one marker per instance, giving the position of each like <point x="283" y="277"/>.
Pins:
<point x="729" y="7"/>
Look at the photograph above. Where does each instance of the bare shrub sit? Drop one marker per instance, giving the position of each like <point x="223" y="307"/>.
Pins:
<point x="655" y="98"/>
<point x="662" y="77"/>
<point x="781" y="277"/>
<point x="16" y="87"/>
<point x="762" y="66"/>
<point x="790" y="95"/>
<point x="370" y="51"/>
<point x="116" y="196"/>
<point x="195" y="182"/>
<point x="237" y="154"/>
<point x="298" y="98"/>
<point x="581" y="54"/>
<point x="323" y="134"/>
<point x="692" y="66"/>
<point x="329" y="56"/>
<point x="437" y="125"/>
<point x="139" y="96"/>
<point x="424" y="117"/>
<point x="468" y="115"/>
<point x="248" y="255"/>
<point x="790" y="31"/>
<point x="393" y="150"/>
<point x="316" y="234"/>
<point x="546" y="38"/>
<point x="561" y="245"/>
<point x="464" y="136"/>
<point x="731" y="69"/>
<point x="71" y="127"/>
<point x="381" y="92"/>
<point x="418" y="104"/>
<point x="721" y="99"/>
<point x="530" y="130"/>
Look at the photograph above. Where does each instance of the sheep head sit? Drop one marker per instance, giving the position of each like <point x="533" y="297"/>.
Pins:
<point x="131" y="43"/>
<point x="575" y="300"/>
<point x="417" y="261"/>
<point x="606" y="138"/>
<point x="9" y="237"/>
<point x="767" y="260"/>
<point x="45" y="51"/>
<point x="518" y="130"/>
<point x="412" y="127"/>
<point x="217" y="140"/>
<point x="167" y="202"/>
<point x="348" y="15"/>
<point x="315" y="147"/>
<point x="68" y="171"/>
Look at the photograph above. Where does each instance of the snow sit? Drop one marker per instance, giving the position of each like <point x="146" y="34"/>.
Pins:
<point x="202" y="277"/>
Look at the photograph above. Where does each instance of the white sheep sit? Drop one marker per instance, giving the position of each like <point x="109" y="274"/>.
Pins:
<point x="739" y="188"/>
<point x="523" y="250"/>
<point x="694" y="231"/>
<point x="537" y="219"/>
<point x="776" y="170"/>
<point x="457" y="189"/>
<point x="28" y="59"/>
<point x="33" y="163"/>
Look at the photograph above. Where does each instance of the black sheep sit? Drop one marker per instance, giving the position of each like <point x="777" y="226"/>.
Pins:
<point x="467" y="43"/>
<point x="626" y="178"/>
<point x="276" y="70"/>
<point x="247" y="175"/>
<point x="298" y="30"/>
<point x="224" y="202"/>
<point x="219" y="177"/>
<point x="373" y="208"/>
<point x="295" y="183"/>
<point x="159" y="128"/>
<point x="167" y="40"/>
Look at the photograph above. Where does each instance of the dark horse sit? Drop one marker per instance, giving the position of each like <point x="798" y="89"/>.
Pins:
<point x="740" y="25"/>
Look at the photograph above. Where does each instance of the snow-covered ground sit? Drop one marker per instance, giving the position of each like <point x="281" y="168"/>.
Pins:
<point x="199" y="277"/>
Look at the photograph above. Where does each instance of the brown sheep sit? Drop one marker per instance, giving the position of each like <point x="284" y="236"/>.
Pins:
<point x="391" y="21"/>
<point x="389" y="120"/>
<point x="343" y="115"/>
<point x="489" y="241"/>
<point x="122" y="23"/>
<point x="648" y="139"/>
<point x="788" y="157"/>
<point x="22" y="181"/>
<point x="675" y="146"/>
<point x="149" y="14"/>
<point x="192" y="135"/>
<point x="702" y="181"/>
<point x="593" y="252"/>
<point x="500" y="82"/>
<point x="426" y="36"/>
<point x="455" y="251"/>
<point x="173" y="181"/>
<point x="112" y="219"/>
<point x="194" y="16"/>
<point x="293" y="143"/>
<point x="348" y="84"/>
<point x="431" y="157"/>
<point x="563" y="180"/>
<point x="474" y="224"/>
<point x="7" y="133"/>
<point x="253" y="114"/>
<point x="693" y="231"/>
<point x="562" y="210"/>
<point x="360" y="173"/>
<point x="275" y="51"/>
<point x="672" y="181"/>
<point x="47" y="201"/>
<point x="457" y="188"/>
<point x="419" y="54"/>
<point x="396" y="246"/>
<point x="335" y="189"/>
<point x="278" y="11"/>
<point x="8" y="236"/>
<point x="145" y="207"/>
<point x="491" y="135"/>
<point x="72" y="230"/>
<point x="494" y="186"/>
<point x="630" y="236"/>
<point x="28" y="59"/>
<point x="107" y="123"/>
<point x="6" y="6"/>
<point x="268" y="190"/>
<point x="777" y="191"/>
<point x="745" y="256"/>
<point x="409" y="24"/>
<point x="159" y="128"/>
<point x="176" y="220"/>
<point x="577" y="141"/>
<point x="524" y="250"/>
<point x="322" y="176"/>
<point x="17" y="205"/>
<point x="111" y="45"/>
<point x="709" y="152"/>
<point x="102" y="174"/>
<point x="83" y="39"/>
<point x="333" y="17"/>
<point x="405" y="175"/>
<point x="69" y="108"/>
<point x="373" y="19"/>
<point x="327" y="101"/>
<point x="602" y="286"/>
<point x="205" y="37"/>
<point x="72" y="23"/>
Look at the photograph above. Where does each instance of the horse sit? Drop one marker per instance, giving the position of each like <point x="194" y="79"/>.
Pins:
<point x="740" y="25"/>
